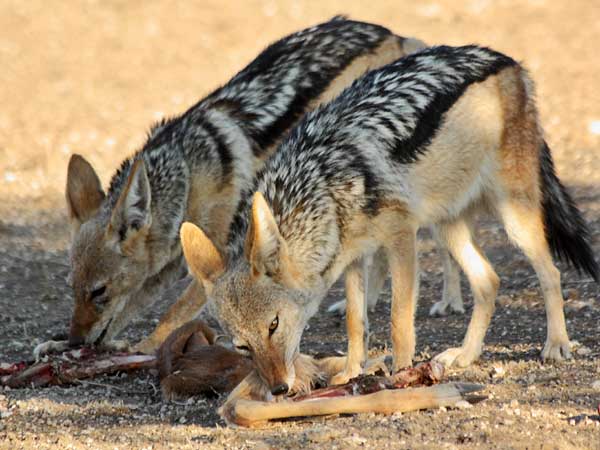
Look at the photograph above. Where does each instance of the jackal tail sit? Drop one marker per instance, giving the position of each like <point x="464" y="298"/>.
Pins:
<point x="566" y="231"/>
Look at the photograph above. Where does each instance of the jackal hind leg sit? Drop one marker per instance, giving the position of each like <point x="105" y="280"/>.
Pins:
<point x="525" y="227"/>
<point x="452" y="300"/>
<point x="377" y="273"/>
<point x="401" y="252"/>
<point x="457" y="237"/>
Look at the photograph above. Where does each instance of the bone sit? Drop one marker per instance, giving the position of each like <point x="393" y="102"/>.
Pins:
<point x="424" y="374"/>
<point x="8" y="369"/>
<point x="68" y="367"/>
<point x="255" y="413"/>
<point x="365" y="393"/>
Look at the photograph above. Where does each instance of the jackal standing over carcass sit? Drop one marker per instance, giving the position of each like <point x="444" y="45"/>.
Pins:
<point x="425" y="141"/>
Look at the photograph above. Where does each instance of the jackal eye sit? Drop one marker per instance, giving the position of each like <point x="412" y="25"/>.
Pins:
<point x="273" y="326"/>
<point x="98" y="292"/>
<point x="98" y="297"/>
<point x="243" y="349"/>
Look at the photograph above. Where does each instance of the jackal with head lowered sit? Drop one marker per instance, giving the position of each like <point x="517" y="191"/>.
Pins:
<point x="427" y="140"/>
<point x="125" y="242"/>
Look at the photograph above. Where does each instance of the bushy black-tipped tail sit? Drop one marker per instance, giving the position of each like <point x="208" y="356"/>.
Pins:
<point x="566" y="231"/>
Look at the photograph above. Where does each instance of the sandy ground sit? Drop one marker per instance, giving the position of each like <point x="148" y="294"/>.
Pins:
<point x="90" y="77"/>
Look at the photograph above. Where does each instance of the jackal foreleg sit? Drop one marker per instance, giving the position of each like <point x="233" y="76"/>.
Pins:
<point x="402" y="257"/>
<point x="186" y="308"/>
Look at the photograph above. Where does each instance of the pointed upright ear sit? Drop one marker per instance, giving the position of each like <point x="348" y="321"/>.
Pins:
<point x="84" y="192"/>
<point x="203" y="258"/>
<point x="266" y="248"/>
<point x="132" y="212"/>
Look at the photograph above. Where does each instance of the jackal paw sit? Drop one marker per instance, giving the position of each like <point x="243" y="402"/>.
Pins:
<point x="345" y="375"/>
<point x="147" y="347"/>
<point x="338" y="308"/>
<point x="402" y="361"/>
<point x="374" y="365"/>
<point x="49" y="347"/>
<point x="440" y="308"/>
<point x="457" y="357"/>
<point x="556" y="350"/>
<point x="116" y="346"/>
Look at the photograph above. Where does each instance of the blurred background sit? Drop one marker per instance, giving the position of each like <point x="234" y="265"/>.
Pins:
<point x="92" y="76"/>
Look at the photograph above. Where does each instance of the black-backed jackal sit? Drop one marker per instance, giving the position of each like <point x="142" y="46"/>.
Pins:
<point x="426" y="140"/>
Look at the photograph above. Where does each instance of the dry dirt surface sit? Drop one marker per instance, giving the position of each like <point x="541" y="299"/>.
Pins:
<point x="90" y="77"/>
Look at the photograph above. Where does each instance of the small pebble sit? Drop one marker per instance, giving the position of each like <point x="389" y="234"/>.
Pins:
<point x="356" y="439"/>
<point x="583" y="351"/>
<point x="499" y="372"/>
<point x="463" y="404"/>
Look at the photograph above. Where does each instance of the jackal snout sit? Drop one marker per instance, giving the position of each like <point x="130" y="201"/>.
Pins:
<point x="85" y="315"/>
<point x="274" y="371"/>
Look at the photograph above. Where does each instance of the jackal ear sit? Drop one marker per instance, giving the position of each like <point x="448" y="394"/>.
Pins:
<point x="265" y="247"/>
<point x="132" y="213"/>
<point x="84" y="192"/>
<point x="203" y="258"/>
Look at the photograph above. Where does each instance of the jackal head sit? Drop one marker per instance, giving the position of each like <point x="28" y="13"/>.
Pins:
<point x="259" y="300"/>
<point x="109" y="249"/>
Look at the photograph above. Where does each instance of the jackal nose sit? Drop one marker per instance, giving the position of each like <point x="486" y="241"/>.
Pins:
<point x="280" y="389"/>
